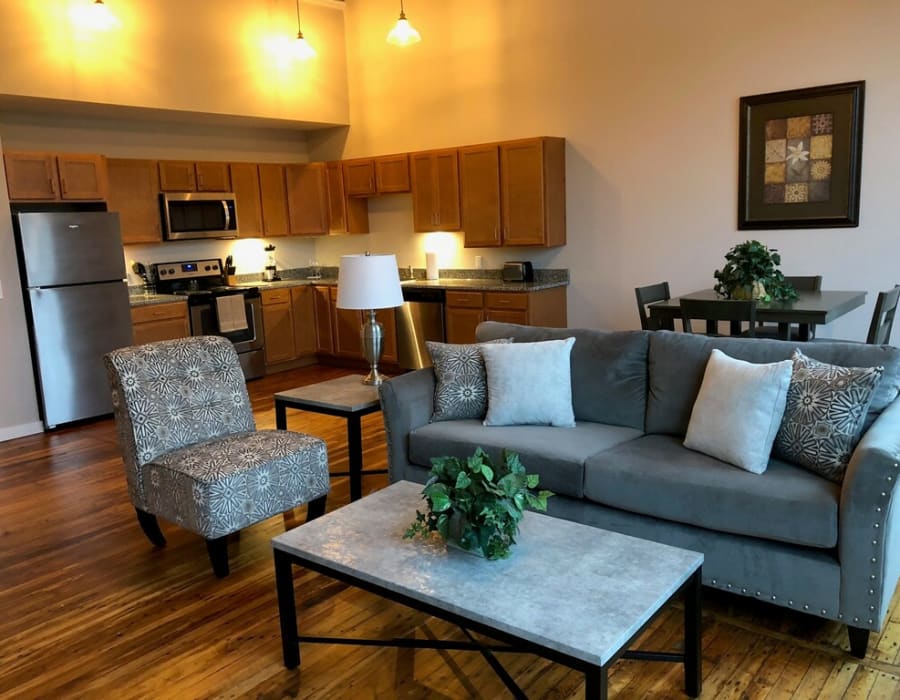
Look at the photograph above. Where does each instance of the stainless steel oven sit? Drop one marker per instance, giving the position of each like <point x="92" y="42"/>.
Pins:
<point x="248" y="342"/>
<point x="218" y="309"/>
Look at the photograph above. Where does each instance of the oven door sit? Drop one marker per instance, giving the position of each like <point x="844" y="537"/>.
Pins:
<point x="205" y="321"/>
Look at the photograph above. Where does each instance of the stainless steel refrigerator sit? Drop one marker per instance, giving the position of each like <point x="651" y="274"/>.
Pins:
<point x="76" y="298"/>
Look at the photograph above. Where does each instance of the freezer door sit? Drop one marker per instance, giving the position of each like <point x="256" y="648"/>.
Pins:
<point x="73" y="327"/>
<point x="71" y="248"/>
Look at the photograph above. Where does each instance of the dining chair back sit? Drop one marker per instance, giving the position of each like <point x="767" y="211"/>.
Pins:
<point x="801" y="283"/>
<point x="714" y="310"/>
<point x="648" y="295"/>
<point x="883" y="317"/>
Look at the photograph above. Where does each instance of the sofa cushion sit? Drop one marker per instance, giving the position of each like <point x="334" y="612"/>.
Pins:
<point x="826" y="408"/>
<point x="738" y="410"/>
<point x="529" y="383"/>
<point x="558" y="462"/>
<point x="676" y="362"/>
<point x="460" y="384"/>
<point x="609" y="369"/>
<point x="655" y="475"/>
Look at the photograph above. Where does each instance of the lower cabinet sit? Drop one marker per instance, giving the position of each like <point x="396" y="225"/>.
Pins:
<point x="289" y="325"/>
<point x="154" y="322"/>
<point x="465" y="310"/>
<point x="337" y="330"/>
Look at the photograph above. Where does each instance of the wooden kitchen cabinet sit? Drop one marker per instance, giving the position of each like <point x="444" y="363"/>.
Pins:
<point x="191" y="176"/>
<point x="345" y="324"/>
<point x="434" y="177"/>
<point x="245" y="185"/>
<point x="465" y="310"/>
<point x="366" y="177"/>
<point x="55" y="176"/>
<point x="154" y="322"/>
<point x="307" y="191"/>
<point x="324" y="331"/>
<point x="303" y="307"/>
<point x="278" y="325"/>
<point x="345" y="214"/>
<point x="513" y="193"/>
<point x="273" y="200"/>
<point x="134" y="194"/>
<point x="359" y="177"/>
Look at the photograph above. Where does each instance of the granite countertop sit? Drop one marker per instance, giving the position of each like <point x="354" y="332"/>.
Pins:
<point x="486" y="283"/>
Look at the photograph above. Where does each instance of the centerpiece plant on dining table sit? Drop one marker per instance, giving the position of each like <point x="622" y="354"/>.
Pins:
<point x="751" y="272"/>
<point x="477" y="505"/>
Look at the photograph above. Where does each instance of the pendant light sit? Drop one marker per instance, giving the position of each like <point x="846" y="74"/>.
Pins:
<point x="403" y="33"/>
<point x="101" y="17"/>
<point x="302" y="48"/>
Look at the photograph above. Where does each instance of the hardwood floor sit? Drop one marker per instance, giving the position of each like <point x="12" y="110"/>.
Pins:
<point x="89" y="609"/>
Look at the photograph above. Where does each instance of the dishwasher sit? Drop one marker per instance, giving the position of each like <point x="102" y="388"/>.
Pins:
<point x="420" y="318"/>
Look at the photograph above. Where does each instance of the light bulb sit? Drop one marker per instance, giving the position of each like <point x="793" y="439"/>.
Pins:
<point x="101" y="17"/>
<point x="302" y="48"/>
<point x="403" y="33"/>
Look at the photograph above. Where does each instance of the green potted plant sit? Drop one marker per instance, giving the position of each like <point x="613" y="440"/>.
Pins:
<point x="751" y="272"/>
<point x="476" y="505"/>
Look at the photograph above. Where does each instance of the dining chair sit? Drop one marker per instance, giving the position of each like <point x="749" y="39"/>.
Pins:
<point x="714" y="310"/>
<point x="190" y="446"/>
<point x="648" y="295"/>
<point x="802" y="283"/>
<point x="883" y="317"/>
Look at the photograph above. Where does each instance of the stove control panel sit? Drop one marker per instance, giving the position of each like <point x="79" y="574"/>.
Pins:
<point x="190" y="269"/>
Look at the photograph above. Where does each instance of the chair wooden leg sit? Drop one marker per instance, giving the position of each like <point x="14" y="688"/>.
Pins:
<point x="316" y="508"/>
<point x="218" y="555"/>
<point x="150" y="527"/>
<point x="859" y="641"/>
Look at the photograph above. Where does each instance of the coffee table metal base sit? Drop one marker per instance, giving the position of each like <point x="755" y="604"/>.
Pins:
<point x="596" y="677"/>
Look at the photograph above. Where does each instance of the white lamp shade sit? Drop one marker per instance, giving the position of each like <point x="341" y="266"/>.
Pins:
<point x="369" y="282"/>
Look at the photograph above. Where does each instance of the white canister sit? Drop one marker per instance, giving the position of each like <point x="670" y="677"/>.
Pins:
<point x="431" y="266"/>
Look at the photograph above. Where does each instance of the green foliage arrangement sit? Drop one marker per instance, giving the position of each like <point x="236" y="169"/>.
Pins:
<point x="751" y="270"/>
<point x="476" y="504"/>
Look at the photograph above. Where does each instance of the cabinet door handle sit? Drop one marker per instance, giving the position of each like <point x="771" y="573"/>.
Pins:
<point x="200" y="179"/>
<point x="502" y="301"/>
<point x="52" y="185"/>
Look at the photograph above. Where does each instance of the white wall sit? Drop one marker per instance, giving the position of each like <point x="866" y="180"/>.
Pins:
<point x="646" y="93"/>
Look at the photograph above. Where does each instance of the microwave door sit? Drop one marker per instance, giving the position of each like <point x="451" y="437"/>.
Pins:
<point x="199" y="215"/>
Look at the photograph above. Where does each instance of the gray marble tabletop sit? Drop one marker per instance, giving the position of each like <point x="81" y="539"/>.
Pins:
<point x="344" y="393"/>
<point x="569" y="587"/>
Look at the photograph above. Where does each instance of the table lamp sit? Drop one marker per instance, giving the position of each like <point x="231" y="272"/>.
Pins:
<point x="369" y="282"/>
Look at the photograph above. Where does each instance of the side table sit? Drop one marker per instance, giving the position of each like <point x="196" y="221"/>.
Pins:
<point x="346" y="397"/>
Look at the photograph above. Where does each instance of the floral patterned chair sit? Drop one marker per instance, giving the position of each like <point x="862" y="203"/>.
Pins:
<point x="190" y="446"/>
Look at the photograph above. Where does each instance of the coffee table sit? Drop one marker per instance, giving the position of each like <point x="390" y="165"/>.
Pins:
<point x="574" y="594"/>
<point x="346" y="397"/>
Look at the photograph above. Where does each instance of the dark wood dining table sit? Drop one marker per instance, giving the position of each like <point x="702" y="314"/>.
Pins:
<point x="809" y="308"/>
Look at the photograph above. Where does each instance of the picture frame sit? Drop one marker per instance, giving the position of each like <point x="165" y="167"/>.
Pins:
<point x="800" y="157"/>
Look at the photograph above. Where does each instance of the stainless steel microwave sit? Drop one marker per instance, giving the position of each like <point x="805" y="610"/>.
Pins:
<point x="190" y="215"/>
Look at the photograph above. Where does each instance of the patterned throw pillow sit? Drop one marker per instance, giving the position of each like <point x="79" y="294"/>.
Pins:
<point x="826" y="408"/>
<point x="460" y="382"/>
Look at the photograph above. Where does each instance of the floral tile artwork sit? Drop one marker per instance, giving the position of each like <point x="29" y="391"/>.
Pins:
<point x="798" y="159"/>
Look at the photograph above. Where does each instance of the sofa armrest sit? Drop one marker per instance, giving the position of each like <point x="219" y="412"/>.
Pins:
<point x="407" y="402"/>
<point x="869" y="534"/>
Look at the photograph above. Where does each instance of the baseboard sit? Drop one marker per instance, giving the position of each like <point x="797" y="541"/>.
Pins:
<point x="16" y="431"/>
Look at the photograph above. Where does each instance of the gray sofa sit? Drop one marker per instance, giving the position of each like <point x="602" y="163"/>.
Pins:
<point x="787" y="536"/>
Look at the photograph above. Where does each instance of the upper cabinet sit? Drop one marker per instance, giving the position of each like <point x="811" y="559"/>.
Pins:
<point x="366" y="177"/>
<point x="273" y="199"/>
<point x="247" y="199"/>
<point x="134" y="194"/>
<point x="514" y="193"/>
<point x="435" y="190"/>
<point x="345" y="215"/>
<point x="307" y="189"/>
<point x="190" y="176"/>
<point x="55" y="176"/>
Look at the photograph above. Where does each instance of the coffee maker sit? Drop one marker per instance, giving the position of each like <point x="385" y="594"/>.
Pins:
<point x="270" y="273"/>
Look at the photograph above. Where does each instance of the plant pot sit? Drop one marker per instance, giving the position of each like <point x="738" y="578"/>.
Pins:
<point x="455" y="545"/>
<point x="755" y="291"/>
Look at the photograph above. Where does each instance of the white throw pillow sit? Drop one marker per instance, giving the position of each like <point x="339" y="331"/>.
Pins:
<point x="529" y="383"/>
<point x="738" y="411"/>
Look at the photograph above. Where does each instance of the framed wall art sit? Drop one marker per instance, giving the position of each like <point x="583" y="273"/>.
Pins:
<point x="800" y="154"/>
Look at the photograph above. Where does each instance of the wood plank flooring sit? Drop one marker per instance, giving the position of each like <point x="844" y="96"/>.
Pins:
<point x="89" y="609"/>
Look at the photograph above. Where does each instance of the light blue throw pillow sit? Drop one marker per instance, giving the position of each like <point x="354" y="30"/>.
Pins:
<point x="529" y="383"/>
<point x="738" y="411"/>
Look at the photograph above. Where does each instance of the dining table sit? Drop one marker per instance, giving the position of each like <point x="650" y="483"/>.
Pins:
<point x="807" y="310"/>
